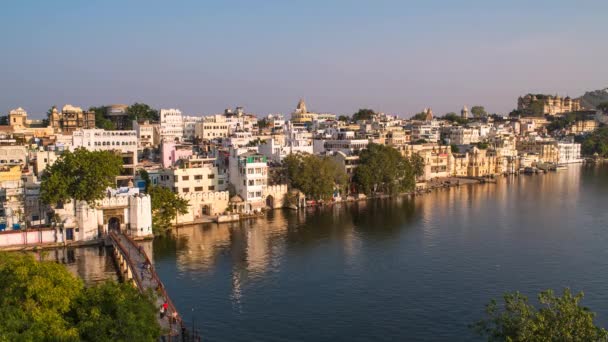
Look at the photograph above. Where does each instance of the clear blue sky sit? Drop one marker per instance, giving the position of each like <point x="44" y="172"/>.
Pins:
<point x="393" y="56"/>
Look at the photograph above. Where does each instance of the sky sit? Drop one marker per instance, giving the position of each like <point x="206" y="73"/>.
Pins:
<point x="396" y="57"/>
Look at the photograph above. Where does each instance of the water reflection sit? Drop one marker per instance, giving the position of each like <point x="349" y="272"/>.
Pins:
<point x="93" y="264"/>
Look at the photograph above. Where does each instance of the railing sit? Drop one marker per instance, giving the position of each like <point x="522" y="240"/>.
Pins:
<point x="125" y="253"/>
<point x="178" y="318"/>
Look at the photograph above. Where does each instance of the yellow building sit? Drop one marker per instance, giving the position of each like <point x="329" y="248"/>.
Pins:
<point x="301" y="114"/>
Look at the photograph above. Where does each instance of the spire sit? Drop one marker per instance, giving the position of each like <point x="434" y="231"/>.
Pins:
<point x="301" y="106"/>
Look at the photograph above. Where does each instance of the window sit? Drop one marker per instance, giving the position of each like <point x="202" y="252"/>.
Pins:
<point x="185" y="178"/>
<point x="198" y="177"/>
<point x="211" y="176"/>
<point x="212" y="188"/>
<point x="198" y="188"/>
<point x="251" y="182"/>
<point x="185" y="190"/>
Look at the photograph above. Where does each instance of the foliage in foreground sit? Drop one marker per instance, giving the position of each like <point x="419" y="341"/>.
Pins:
<point x="559" y="318"/>
<point x="81" y="175"/>
<point x="166" y="205"/>
<point x="43" y="301"/>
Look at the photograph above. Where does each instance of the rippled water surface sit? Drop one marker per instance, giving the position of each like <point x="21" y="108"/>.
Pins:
<point x="396" y="269"/>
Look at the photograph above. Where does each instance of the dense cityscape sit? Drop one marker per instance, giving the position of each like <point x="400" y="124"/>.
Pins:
<point x="313" y="171"/>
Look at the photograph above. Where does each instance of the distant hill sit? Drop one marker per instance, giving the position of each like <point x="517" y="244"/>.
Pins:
<point x="592" y="98"/>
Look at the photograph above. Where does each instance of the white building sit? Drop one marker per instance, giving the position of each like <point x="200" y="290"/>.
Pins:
<point x="212" y="127"/>
<point x="463" y="136"/>
<point x="569" y="153"/>
<point x="171" y="125"/>
<point x="147" y="134"/>
<point x="101" y="140"/>
<point x="248" y="173"/>
<point x="190" y="123"/>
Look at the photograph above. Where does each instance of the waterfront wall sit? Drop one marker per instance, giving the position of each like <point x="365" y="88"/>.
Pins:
<point x="16" y="238"/>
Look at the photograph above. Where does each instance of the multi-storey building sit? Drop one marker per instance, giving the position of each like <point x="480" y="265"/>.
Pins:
<point x="212" y="127"/>
<point x="190" y="123"/>
<point x="71" y="119"/>
<point x="124" y="142"/>
<point x="463" y="136"/>
<point x="541" y="104"/>
<point x="569" y="152"/>
<point x="171" y="125"/>
<point x="147" y="134"/>
<point x="249" y="176"/>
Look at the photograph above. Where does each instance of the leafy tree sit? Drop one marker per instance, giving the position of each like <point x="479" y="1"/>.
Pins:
<point x="363" y="114"/>
<point x="419" y="116"/>
<point x="81" y="175"/>
<point x="43" y="301"/>
<point x="3" y="120"/>
<point x="420" y="141"/>
<point x="115" y="312"/>
<point x="141" y="111"/>
<point x="454" y="148"/>
<point x="35" y="298"/>
<point x="314" y="175"/>
<point x="453" y="117"/>
<point x="100" y="118"/>
<point x="559" y="318"/>
<point x="479" y="111"/>
<point x="603" y="107"/>
<point x="482" y="145"/>
<point x="146" y="178"/>
<point x="383" y="169"/>
<point x="417" y="164"/>
<point x="595" y="142"/>
<point x="263" y="123"/>
<point x="166" y="205"/>
<point x="344" y="118"/>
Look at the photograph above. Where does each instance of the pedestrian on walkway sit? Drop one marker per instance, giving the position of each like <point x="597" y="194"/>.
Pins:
<point x="162" y="311"/>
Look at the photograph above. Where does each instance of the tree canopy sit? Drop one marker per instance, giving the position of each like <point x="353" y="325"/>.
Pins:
<point x="383" y="169"/>
<point x="559" y="318"/>
<point x="166" y="205"/>
<point x="595" y="142"/>
<point x="141" y="111"/>
<point x="419" y="116"/>
<point x="479" y="111"/>
<point x="81" y="175"/>
<point x="43" y="301"/>
<point x="344" y="118"/>
<point x="314" y="175"/>
<point x="100" y="118"/>
<point x="3" y="120"/>
<point x="363" y="114"/>
<point x="453" y="117"/>
<point x="603" y="107"/>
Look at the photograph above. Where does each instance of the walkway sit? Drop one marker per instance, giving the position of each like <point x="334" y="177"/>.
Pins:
<point x="147" y="281"/>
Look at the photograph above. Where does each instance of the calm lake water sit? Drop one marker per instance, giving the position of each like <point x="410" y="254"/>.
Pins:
<point x="395" y="269"/>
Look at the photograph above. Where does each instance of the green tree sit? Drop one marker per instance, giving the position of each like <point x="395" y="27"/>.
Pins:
<point x="314" y="175"/>
<point x="115" y="312"/>
<point x="100" y="118"/>
<point x="145" y="176"/>
<point x="454" y="148"/>
<point x="453" y="117"/>
<point x="141" y="111"/>
<point x="559" y="318"/>
<point x="43" y="301"/>
<point x="383" y="169"/>
<point x="344" y="118"/>
<point x="3" y="120"/>
<point x="81" y="175"/>
<point x="417" y="164"/>
<point x="419" y="116"/>
<point x="482" y="145"/>
<point x="479" y="111"/>
<point x="603" y="107"/>
<point x="595" y="142"/>
<point x="363" y="114"/>
<point x="166" y="205"/>
<point x="35" y="298"/>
